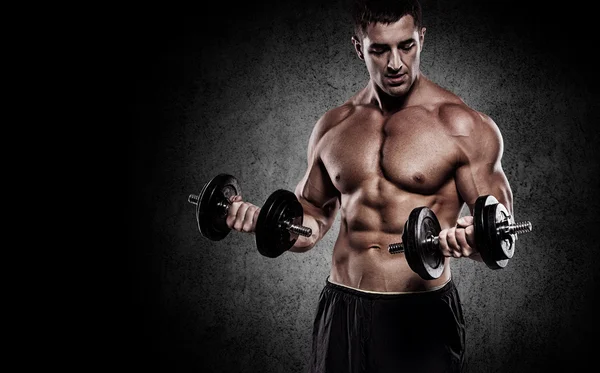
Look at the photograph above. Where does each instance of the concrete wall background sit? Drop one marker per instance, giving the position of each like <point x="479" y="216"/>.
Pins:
<point x="240" y="95"/>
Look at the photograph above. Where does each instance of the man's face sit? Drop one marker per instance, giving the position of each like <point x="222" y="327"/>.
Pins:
<point x="392" y="54"/>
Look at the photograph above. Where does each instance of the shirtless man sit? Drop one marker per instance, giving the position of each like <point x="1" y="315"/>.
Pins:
<point x="399" y="143"/>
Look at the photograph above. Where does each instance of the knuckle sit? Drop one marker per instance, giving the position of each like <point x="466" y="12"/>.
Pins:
<point x="232" y="212"/>
<point x="242" y="212"/>
<point x="461" y="237"/>
<point x="230" y="220"/>
<point x="238" y="224"/>
<point x="442" y="242"/>
<point x="442" y="235"/>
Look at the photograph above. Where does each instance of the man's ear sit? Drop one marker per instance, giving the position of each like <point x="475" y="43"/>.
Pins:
<point x="358" y="47"/>
<point x="422" y="36"/>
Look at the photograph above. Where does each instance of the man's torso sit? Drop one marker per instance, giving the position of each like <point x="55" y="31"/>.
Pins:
<point x="385" y="165"/>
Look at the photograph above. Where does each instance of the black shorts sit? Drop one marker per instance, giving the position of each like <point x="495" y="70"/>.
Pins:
<point x="356" y="331"/>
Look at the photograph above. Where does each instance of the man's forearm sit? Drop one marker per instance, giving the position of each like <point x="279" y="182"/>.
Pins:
<point x="304" y="244"/>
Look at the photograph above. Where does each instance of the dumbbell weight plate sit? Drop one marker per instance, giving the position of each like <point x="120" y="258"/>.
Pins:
<point x="482" y="241"/>
<point x="421" y="257"/>
<point x="502" y="246"/>
<point x="210" y="213"/>
<point x="272" y="238"/>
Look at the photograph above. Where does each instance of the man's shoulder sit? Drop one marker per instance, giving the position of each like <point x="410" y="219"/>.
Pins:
<point x="462" y="120"/>
<point x="472" y="130"/>
<point x="454" y="113"/>
<point x="334" y="117"/>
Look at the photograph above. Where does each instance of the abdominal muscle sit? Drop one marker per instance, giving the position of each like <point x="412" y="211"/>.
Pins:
<point x="371" y="267"/>
<point x="360" y="256"/>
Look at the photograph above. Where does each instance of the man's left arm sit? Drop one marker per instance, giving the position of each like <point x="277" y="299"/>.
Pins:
<point x="479" y="173"/>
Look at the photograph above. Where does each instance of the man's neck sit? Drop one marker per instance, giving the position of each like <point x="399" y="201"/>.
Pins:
<point x="390" y="104"/>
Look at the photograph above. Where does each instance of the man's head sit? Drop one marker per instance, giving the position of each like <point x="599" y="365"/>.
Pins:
<point x="389" y="37"/>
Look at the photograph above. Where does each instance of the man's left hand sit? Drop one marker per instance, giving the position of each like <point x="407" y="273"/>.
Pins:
<point x="459" y="241"/>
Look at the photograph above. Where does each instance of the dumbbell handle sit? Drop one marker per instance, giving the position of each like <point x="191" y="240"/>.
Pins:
<point x="517" y="228"/>
<point x="433" y="241"/>
<point x="298" y="229"/>
<point x="224" y="204"/>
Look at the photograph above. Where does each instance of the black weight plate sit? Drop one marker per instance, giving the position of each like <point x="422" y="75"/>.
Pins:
<point x="272" y="237"/>
<point x="424" y="260"/>
<point x="502" y="245"/>
<point x="211" y="216"/>
<point x="481" y="237"/>
<point x="491" y="259"/>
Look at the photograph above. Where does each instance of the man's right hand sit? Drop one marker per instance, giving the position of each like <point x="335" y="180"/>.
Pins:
<point x="242" y="216"/>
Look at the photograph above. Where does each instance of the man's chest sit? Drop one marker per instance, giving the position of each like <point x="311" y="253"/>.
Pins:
<point x="414" y="153"/>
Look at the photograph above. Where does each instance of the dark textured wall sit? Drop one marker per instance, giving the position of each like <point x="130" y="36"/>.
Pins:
<point x="238" y="90"/>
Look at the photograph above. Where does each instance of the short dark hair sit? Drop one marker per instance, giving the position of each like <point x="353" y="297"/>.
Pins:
<point x="365" y="12"/>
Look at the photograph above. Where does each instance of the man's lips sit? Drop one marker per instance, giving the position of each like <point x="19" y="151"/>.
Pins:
<point x="396" y="78"/>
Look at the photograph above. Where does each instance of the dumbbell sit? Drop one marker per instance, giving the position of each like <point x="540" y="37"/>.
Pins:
<point x="495" y="236"/>
<point x="496" y="231"/>
<point x="278" y="225"/>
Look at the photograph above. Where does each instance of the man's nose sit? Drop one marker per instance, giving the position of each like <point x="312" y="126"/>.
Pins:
<point x="395" y="62"/>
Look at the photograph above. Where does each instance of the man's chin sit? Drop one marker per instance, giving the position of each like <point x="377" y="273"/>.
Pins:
<point x="396" y="91"/>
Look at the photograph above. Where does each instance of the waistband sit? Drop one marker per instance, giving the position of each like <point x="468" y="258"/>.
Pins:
<point x="434" y="292"/>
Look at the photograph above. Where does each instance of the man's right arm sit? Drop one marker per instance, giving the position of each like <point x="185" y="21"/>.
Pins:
<point x="316" y="192"/>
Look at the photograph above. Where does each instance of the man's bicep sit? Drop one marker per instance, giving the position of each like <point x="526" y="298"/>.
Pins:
<point x="481" y="171"/>
<point x="317" y="194"/>
<point x="475" y="180"/>
<point x="315" y="190"/>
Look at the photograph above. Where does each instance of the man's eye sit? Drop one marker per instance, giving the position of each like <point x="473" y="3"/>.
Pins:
<point x="377" y="51"/>
<point x="407" y="47"/>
